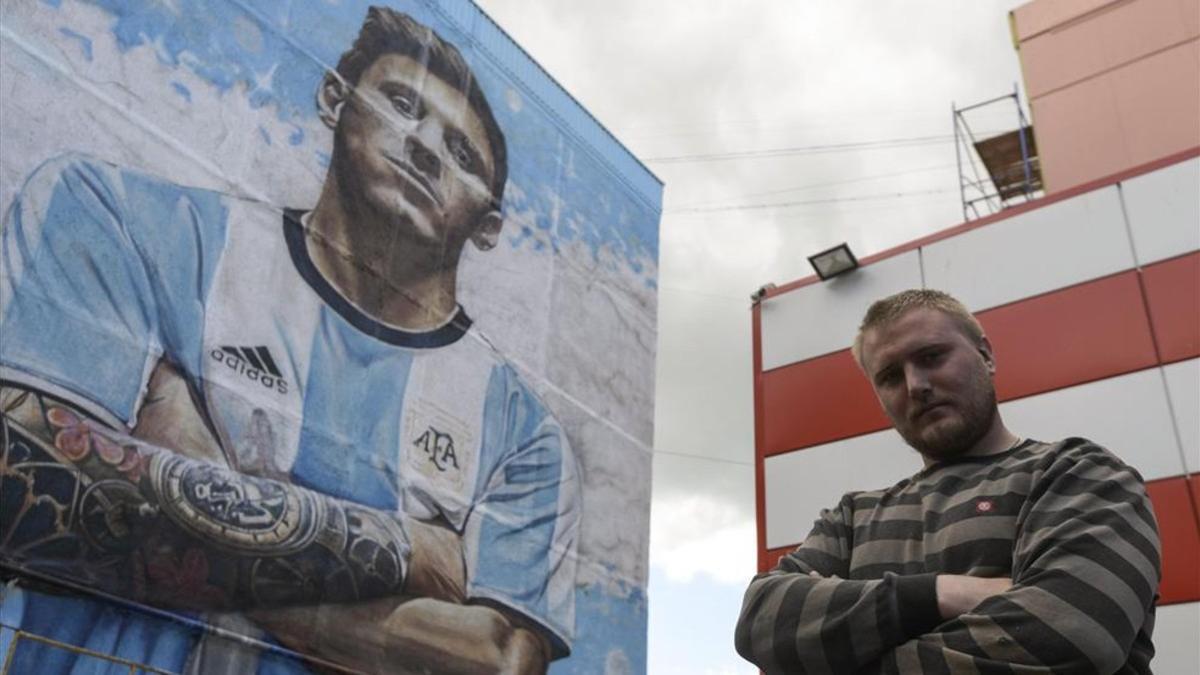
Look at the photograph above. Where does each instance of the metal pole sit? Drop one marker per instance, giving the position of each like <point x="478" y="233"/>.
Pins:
<point x="1024" y="147"/>
<point x="962" y="194"/>
<point x="12" y="649"/>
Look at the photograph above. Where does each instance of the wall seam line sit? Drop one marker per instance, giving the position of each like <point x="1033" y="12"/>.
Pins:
<point x="1110" y="69"/>
<point x="1162" y="372"/>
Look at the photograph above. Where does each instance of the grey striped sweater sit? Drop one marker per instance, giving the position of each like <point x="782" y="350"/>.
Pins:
<point x="1069" y="522"/>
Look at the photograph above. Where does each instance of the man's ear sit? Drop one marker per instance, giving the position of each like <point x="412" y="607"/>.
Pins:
<point x="989" y="358"/>
<point x="331" y="96"/>
<point x="487" y="233"/>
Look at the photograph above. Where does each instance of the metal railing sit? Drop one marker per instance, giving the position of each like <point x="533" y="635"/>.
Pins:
<point x="15" y="571"/>
<point x="16" y="635"/>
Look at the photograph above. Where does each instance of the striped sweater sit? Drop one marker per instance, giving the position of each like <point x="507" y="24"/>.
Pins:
<point x="1068" y="522"/>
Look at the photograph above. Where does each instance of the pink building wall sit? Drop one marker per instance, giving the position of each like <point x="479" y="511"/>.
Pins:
<point x="1112" y="84"/>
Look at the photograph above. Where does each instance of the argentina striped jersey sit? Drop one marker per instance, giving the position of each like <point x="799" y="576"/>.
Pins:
<point x="108" y="272"/>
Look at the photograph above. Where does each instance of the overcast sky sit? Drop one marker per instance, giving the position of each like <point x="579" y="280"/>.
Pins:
<point x="735" y="105"/>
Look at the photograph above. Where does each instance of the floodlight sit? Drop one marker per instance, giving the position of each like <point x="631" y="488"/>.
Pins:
<point x="835" y="261"/>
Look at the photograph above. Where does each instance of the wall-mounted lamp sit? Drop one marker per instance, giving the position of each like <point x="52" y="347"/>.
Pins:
<point x="835" y="261"/>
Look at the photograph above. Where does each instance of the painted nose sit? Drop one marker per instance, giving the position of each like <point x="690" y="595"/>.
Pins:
<point x="420" y="148"/>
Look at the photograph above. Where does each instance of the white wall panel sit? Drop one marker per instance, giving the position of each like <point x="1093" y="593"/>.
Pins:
<point x="1128" y="415"/>
<point x="799" y="484"/>
<point x="1065" y="243"/>
<point x="1183" y="386"/>
<point x="1164" y="211"/>
<point x="1176" y="628"/>
<point x="823" y="318"/>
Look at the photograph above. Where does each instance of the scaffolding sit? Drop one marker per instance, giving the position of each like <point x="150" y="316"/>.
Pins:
<point x="1011" y="173"/>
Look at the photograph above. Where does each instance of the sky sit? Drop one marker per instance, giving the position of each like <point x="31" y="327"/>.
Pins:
<point x="779" y="129"/>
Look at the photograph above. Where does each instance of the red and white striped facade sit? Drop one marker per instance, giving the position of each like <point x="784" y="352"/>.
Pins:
<point x="1091" y="299"/>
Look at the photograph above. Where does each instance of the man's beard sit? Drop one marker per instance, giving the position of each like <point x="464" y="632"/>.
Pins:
<point x="954" y="438"/>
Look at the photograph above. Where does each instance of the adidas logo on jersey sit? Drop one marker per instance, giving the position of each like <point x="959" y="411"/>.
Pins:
<point x="253" y="362"/>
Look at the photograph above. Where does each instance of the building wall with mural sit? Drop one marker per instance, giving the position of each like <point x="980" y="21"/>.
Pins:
<point x="327" y="341"/>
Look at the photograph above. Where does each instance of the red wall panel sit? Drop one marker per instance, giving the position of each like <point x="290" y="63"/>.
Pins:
<point x="768" y="557"/>
<point x="1078" y="334"/>
<point x="1173" y="296"/>
<point x="817" y="401"/>
<point x="1180" y="535"/>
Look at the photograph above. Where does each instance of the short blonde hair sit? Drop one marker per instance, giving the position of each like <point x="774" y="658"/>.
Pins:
<point x="885" y="311"/>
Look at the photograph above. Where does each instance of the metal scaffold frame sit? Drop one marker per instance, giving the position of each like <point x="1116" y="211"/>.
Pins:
<point x="1010" y="172"/>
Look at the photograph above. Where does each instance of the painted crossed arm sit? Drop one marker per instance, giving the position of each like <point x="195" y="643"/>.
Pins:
<point x="329" y="579"/>
<point x="155" y="526"/>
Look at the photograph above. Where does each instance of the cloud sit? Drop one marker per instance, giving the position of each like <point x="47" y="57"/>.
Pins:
<point x="673" y="79"/>
<point x="701" y="536"/>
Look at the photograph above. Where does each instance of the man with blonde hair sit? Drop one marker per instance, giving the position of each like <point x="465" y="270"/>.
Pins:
<point x="1002" y="554"/>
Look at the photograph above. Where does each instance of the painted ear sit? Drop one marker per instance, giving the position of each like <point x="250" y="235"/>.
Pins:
<point x="487" y="233"/>
<point x="331" y="96"/>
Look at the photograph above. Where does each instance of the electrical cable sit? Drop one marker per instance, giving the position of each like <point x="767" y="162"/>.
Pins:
<point x="792" y="204"/>
<point x="812" y="186"/>
<point x="800" y="150"/>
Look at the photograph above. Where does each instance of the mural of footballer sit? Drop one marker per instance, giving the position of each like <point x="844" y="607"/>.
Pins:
<point x="280" y="422"/>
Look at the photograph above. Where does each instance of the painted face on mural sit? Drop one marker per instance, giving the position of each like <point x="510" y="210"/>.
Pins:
<point x="933" y="381"/>
<point x="409" y="148"/>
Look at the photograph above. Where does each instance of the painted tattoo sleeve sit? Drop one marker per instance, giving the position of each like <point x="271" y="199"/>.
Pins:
<point x="145" y="523"/>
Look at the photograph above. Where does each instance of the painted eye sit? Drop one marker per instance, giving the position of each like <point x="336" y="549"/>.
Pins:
<point x="462" y="152"/>
<point x="404" y="104"/>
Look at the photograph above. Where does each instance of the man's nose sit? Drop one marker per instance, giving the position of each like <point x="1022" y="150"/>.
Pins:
<point x="420" y="146"/>
<point x="917" y="382"/>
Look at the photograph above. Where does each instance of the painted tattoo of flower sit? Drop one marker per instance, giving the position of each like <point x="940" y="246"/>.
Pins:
<point x="77" y="438"/>
<point x="74" y="435"/>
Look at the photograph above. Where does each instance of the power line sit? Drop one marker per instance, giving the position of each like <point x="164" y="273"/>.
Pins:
<point x="812" y="186"/>
<point x="688" y="291"/>
<point x="801" y="150"/>
<point x="880" y="144"/>
<point x="812" y="123"/>
<point x="808" y="202"/>
<point x="708" y="458"/>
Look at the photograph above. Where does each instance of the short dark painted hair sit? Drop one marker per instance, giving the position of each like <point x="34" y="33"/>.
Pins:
<point x="386" y="31"/>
